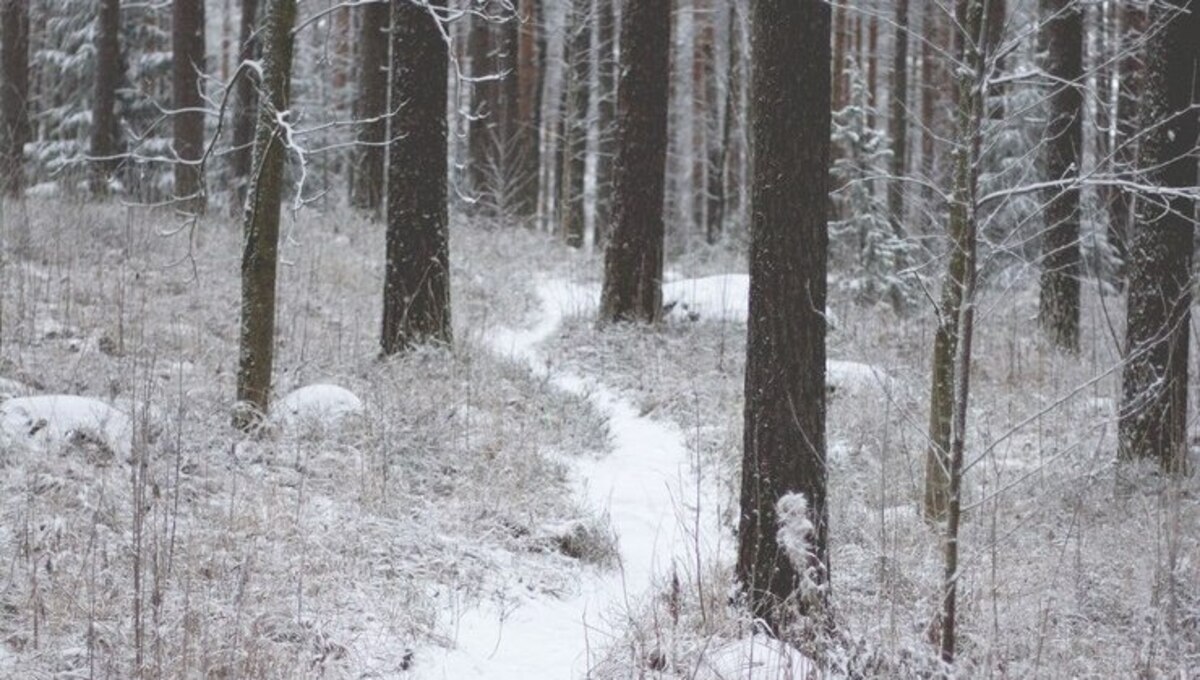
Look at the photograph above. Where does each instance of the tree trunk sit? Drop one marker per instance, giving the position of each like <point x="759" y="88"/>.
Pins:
<point x="1059" y="309"/>
<point x="784" y="440"/>
<point x="1153" y="421"/>
<point x="416" y="291"/>
<point x="899" y="120"/>
<point x="576" y="125"/>
<point x="1130" y="71"/>
<point x="633" y="261"/>
<point x="14" y="102"/>
<point x="107" y="78"/>
<point x="958" y="309"/>
<point x="246" y="101"/>
<point x="704" y="106"/>
<point x="483" y="114"/>
<point x="841" y="33"/>
<point x="872" y="69"/>
<point x="260" y="252"/>
<point x="372" y="109"/>
<point x="727" y="181"/>
<point x="606" y="116"/>
<point x="187" y="45"/>
<point x="529" y="84"/>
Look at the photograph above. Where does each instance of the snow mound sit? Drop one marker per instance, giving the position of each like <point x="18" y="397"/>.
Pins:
<point x="324" y="404"/>
<point x="725" y="297"/>
<point x="46" y="422"/>
<point x="855" y="376"/>
<point x="756" y="658"/>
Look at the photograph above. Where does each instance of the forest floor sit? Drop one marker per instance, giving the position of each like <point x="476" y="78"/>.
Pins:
<point x="469" y="521"/>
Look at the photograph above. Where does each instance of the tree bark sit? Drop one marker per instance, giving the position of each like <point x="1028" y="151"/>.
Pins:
<point x="1130" y="71"/>
<point x="1059" y="308"/>
<point x="633" y="261"/>
<point x="246" y="98"/>
<point x="606" y="116"/>
<point x="899" y="120"/>
<point x="187" y="45"/>
<point x="416" y="292"/>
<point x="529" y="85"/>
<point x="727" y="180"/>
<point x="372" y="110"/>
<point x="483" y="105"/>
<point x="14" y="95"/>
<point x="260" y="252"/>
<point x="107" y="79"/>
<point x="578" y="85"/>
<point x="1153" y="416"/>
<point x="784" y="439"/>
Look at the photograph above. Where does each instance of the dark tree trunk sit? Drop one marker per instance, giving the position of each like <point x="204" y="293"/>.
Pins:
<point x="1063" y="36"/>
<point x="872" y="68"/>
<point x="1153" y="422"/>
<point x="579" y="33"/>
<point x="606" y="116"/>
<point x="633" y="260"/>
<point x="483" y="113"/>
<point x="246" y="101"/>
<point x="14" y="97"/>
<point x="899" y="120"/>
<point x="784" y="445"/>
<point x="727" y="180"/>
<point x="108" y="77"/>
<point x="260" y="253"/>
<point x="704" y="106"/>
<point x="371" y="109"/>
<point x="416" y="290"/>
<point x="187" y="45"/>
<point x="529" y="85"/>
<point x="1125" y="143"/>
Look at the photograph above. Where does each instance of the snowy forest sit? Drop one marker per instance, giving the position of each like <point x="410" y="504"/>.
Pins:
<point x="604" y="339"/>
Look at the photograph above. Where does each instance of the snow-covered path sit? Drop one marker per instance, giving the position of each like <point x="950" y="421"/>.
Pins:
<point x="648" y="488"/>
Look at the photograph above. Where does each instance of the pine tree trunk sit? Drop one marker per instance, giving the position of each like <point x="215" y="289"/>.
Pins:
<point x="1059" y="310"/>
<point x="704" y="106"/>
<point x="14" y="94"/>
<point x="899" y="120"/>
<point x="606" y="116"/>
<point x="841" y="33"/>
<point x="246" y="102"/>
<point x="727" y="180"/>
<point x="1153" y="423"/>
<point x="107" y="78"/>
<point x="261" y="223"/>
<point x="483" y="114"/>
<point x="784" y="439"/>
<point x="575" y="144"/>
<point x="529" y="85"/>
<point x="187" y="45"/>
<point x="872" y="69"/>
<point x="371" y="109"/>
<point x="416" y="292"/>
<point x="1130" y="72"/>
<point x="633" y="261"/>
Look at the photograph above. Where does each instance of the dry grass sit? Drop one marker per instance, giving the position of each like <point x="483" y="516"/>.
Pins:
<point x="330" y="552"/>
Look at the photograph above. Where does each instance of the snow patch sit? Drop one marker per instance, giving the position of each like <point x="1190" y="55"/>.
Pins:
<point x="855" y="376"/>
<point x="321" y="403"/>
<point x="756" y="658"/>
<point x="44" y="423"/>
<point x="725" y="297"/>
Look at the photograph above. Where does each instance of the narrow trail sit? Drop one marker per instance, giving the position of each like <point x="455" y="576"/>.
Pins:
<point x="648" y="488"/>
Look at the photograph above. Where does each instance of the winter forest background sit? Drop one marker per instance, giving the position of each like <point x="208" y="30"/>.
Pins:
<point x="689" y="339"/>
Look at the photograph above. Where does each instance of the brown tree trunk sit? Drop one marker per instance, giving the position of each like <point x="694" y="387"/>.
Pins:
<point x="416" y="291"/>
<point x="899" y="120"/>
<point x="483" y="113"/>
<point x="187" y="45"/>
<point x="784" y="438"/>
<point x="371" y="109"/>
<point x="633" y="261"/>
<point x="728" y="180"/>
<point x="14" y="94"/>
<point x="872" y="68"/>
<point x="261" y="246"/>
<point x="107" y="79"/>
<point x="704" y="106"/>
<point x="606" y="116"/>
<point x="576" y="125"/>
<point x="529" y="85"/>
<point x="1130" y="74"/>
<point x="245" y="102"/>
<point x="841" y="33"/>
<point x="1153" y="422"/>
<point x="1059" y="309"/>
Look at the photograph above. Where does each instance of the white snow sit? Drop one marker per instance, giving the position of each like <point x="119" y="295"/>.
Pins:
<point x="647" y="488"/>
<point x="855" y="376"/>
<point x="756" y="658"/>
<point x="725" y="297"/>
<point x="320" y="403"/>
<point x="46" y="422"/>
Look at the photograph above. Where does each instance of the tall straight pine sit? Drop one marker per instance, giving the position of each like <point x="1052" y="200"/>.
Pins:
<point x="784" y="436"/>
